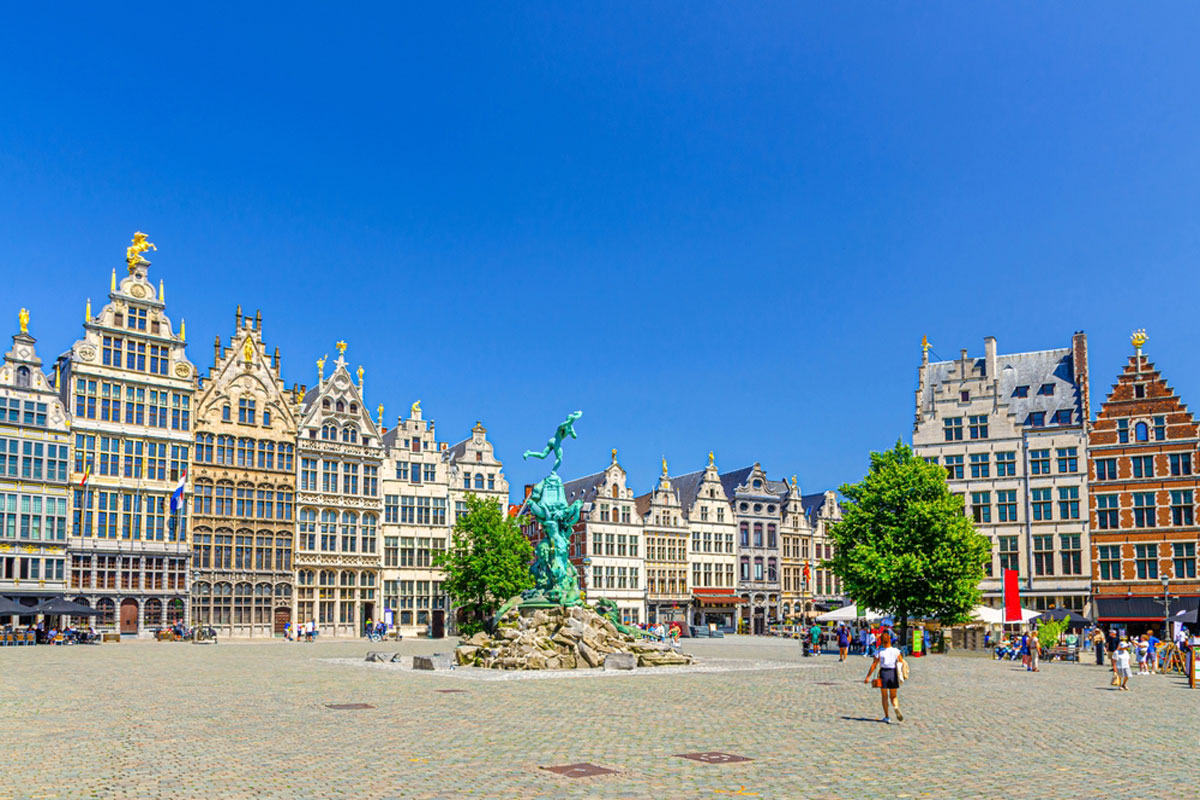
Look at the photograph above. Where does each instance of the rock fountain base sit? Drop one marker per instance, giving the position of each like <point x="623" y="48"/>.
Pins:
<point x="573" y="637"/>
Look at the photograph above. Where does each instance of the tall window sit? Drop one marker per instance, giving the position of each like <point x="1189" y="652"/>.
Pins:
<point x="1123" y="431"/>
<point x="1145" y="559"/>
<point x="954" y="468"/>
<point x="1009" y="555"/>
<point x="1039" y="462"/>
<point x="1072" y="554"/>
<point x="308" y="474"/>
<point x="1141" y="432"/>
<point x="1068" y="459"/>
<point x="758" y="535"/>
<point x="1106" y="469"/>
<point x="1181" y="463"/>
<point x="1068" y="502"/>
<point x="979" y="465"/>
<point x="246" y="411"/>
<point x="981" y="506"/>
<point x="1183" y="560"/>
<point x="1107" y="511"/>
<point x="1143" y="466"/>
<point x="1181" y="507"/>
<point x="1108" y="560"/>
<point x="1006" y="465"/>
<point x="1160" y="428"/>
<point x="979" y="427"/>
<point x="1143" y="510"/>
<point x="1043" y="555"/>
<point x="745" y="531"/>
<point x="1006" y="505"/>
<point x="952" y="429"/>
<point x="1041" y="504"/>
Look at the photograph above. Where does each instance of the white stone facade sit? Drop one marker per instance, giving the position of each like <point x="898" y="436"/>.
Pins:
<point x="1010" y="431"/>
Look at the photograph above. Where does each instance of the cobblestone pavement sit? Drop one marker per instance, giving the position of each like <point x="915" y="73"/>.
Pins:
<point x="249" y="720"/>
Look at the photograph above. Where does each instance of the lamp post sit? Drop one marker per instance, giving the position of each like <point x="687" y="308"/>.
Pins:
<point x="1166" y="582"/>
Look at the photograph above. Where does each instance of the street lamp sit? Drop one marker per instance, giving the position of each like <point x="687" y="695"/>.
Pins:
<point x="1166" y="582"/>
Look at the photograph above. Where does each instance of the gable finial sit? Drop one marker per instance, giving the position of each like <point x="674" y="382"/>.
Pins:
<point x="1138" y="339"/>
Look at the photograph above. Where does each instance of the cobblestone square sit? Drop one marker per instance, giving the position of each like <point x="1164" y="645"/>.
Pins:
<point x="253" y="720"/>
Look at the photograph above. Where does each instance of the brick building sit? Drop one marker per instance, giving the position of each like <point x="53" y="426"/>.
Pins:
<point x="1143" y="481"/>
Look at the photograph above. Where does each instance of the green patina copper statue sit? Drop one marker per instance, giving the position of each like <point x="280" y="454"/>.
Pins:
<point x="555" y="578"/>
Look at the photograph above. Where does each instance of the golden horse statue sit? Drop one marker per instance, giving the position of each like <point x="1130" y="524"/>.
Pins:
<point x="133" y="253"/>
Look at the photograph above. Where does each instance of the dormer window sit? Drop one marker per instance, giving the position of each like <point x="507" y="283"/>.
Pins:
<point x="757" y="484"/>
<point x="325" y="404"/>
<point x="340" y="407"/>
<point x="1036" y="419"/>
<point x="1021" y="391"/>
<point x="354" y="408"/>
<point x="964" y="396"/>
<point x="1062" y="416"/>
<point x="1139" y="390"/>
<point x="1046" y="389"/>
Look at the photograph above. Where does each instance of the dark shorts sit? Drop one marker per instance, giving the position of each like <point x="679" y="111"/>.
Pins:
<point x="889" y="678"/>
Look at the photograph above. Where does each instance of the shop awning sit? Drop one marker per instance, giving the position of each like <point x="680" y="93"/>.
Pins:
<point x="715" y="596"/>
<point x="1140" y="608"/>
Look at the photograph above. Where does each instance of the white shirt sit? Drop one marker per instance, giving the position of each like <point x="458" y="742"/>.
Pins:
<point x="1122" y="657"/>
<point x="889" y="657"/>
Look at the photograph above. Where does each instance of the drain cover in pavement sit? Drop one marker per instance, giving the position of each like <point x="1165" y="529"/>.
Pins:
<point x="580" y="770"/>
<point x="714" y="757"/>
<point x="348" y="706"/>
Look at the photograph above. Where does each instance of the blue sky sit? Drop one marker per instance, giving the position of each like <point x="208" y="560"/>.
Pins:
<point x="709" y="226"/>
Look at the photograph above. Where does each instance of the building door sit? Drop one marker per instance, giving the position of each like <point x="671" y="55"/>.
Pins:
<point x="282" y="617"/>
<point x="439" y="624"/>
<point x="368" y="613"/>
<point x="129" y="615"/>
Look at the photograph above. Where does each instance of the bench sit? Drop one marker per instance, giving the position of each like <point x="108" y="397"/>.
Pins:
<point x="110" y="637"/>
<point x="1062" y="653"/>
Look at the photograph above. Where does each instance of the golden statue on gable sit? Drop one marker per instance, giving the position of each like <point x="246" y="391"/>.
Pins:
<point x="133" y="253"/>
<point x="416" y="409"/>
<point x="248" y="350"/>
<point x="23" y="318"/>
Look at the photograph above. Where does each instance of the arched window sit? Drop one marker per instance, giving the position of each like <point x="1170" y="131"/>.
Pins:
<point x="616" y="514"/>
<point x="340" y="407"/>
<point x="349" y="532"/>
<point x="83" y="601"/>
<point x="175" y="609"/>
<point x="23" y="377"/>
<point x="1141" y="432"/>
<point x="222" y="604"/>
<point x="329" y="432"/>
<point x="154" y="612"/>
<point x="242" y="595"/>
<point x="354" y="408"/>
<point x="615" y="491"/>
<point x="325" y="404"/>
<point x="478" y="480"/>
<point x="305" y="577"/>
<point x="368" y="579"/>
<point x="350" y="434"/>
<point x="327" y="577"/>
<point x="349" y="578"/>
<point x="284" y="590"/>
<point x="745" y="529"/>
<point x="225" y="450"/>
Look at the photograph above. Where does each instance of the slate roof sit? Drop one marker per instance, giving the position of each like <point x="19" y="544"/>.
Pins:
<point x="1055" y="367"/>
<point x="812" y="505"/>
<point x="455" y="451"/>
<point x="584" y="488"/>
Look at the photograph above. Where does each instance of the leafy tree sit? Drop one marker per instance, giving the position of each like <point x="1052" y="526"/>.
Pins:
<point x="903" y="545"/>
<point x="1049" y="632"/>
<point x="486" y="564"/>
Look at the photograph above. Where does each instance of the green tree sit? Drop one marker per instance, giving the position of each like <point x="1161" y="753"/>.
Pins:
<point x="486" y="564"/>
<point x="1049" y="632"/>
<point x="903" y="545"/>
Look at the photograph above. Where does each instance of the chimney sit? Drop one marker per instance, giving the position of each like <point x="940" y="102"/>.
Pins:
<point x="1079" y="359"/>
<point x="989" y="359"/>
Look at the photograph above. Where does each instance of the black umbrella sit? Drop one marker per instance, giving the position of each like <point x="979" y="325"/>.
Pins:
<point x="61" y="605"/>
<point x="1056" y="614"/>
<point x="1186" y="617"/>
<point x="8" y="608"/>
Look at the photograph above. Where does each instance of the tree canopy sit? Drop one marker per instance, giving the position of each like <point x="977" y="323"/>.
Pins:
<point x="486" y="564"/>
<point x="903" y="545"/>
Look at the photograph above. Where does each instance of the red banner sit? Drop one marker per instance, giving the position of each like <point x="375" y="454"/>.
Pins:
<point x="1012" y="597"/>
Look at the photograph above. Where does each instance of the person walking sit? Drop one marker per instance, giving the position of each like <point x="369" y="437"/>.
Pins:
<point x="1152" y="654"/>
<point x="815" y="635"/>
<point x="890" y="662"/>
<point x="1035" y="651"/>
<point x="1143" y="655"/>
<point x="1121" y="668"/>
<point x="843" y="642"/>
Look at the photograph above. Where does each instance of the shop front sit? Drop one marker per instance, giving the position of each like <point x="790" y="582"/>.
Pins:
<point x="715" y="607"/>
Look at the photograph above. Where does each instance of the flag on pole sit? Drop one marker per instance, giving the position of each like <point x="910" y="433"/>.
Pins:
<point x="87" y="473"/>
<point x="177" y="495"/>
<point x="1012" y="597"/>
